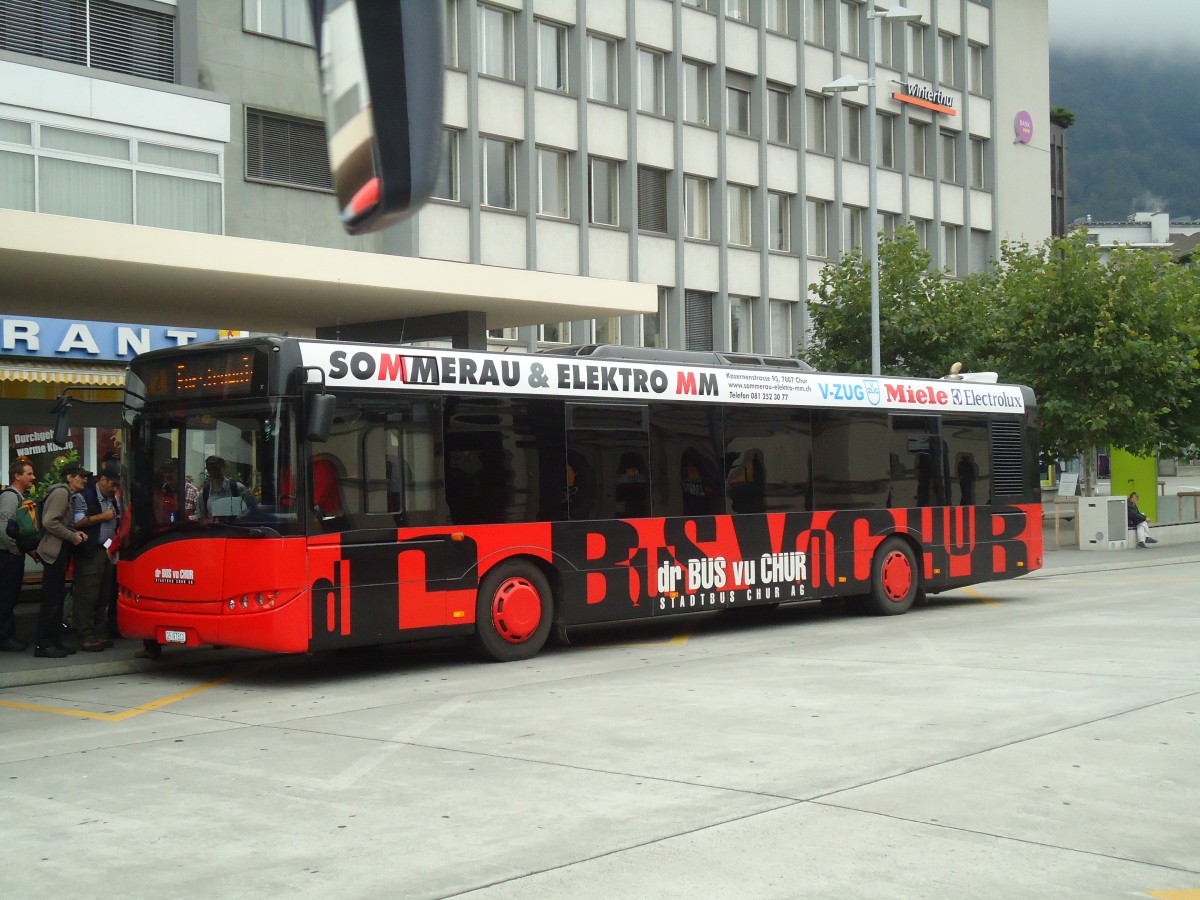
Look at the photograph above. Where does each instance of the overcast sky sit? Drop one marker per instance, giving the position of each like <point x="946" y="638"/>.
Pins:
<point x="1164" y="25"/>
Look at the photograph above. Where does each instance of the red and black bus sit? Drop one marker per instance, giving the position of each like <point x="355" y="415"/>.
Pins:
<point x="376" y="494"/>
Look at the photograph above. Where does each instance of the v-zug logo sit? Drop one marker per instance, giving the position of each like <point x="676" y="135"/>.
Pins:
<point x="848" y="392"/>
<point x="874" y="392"/>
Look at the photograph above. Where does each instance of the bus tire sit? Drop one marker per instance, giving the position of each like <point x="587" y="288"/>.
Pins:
<point x="514" y="612"/>
<point x="895" y="579"/>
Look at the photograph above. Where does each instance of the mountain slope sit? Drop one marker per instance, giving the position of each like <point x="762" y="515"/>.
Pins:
<point x="1133" y="147"/>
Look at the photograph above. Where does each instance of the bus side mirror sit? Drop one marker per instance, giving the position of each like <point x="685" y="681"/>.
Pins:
<point x="62" y="421"/>
<point x="382" y="82"/>
<point x="319" y="417"/>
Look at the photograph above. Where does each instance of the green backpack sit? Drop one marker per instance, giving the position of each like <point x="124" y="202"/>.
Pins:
<point x="25" y="526"/>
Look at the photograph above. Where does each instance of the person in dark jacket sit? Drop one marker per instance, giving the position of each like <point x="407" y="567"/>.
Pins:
<point x="1139" y="522"/>
<point x="97" y="510"/>
<point x="54" y="550"/>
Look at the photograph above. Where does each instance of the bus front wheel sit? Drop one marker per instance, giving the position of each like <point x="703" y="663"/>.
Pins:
<point x="895" y="579"/>
<point x="514" y="612"/>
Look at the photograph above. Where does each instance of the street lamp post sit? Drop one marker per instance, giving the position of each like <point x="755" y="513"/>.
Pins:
<point x="850" y="83"/>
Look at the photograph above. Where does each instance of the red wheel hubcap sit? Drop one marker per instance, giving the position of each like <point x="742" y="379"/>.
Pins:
<point x="897" y="576"/>
<point x="516" y="610"/>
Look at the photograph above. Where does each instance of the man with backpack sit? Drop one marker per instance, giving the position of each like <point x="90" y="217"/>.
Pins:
<point x="221" y="498"/>
<point x="97" y="512"/>
<point x="12" y="558"/>
<point x="54" y="550"/>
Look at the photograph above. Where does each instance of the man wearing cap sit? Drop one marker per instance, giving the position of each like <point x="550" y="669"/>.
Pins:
<point x="54" y="550"/>
<point x="97" y="513"/>
<point x="221" y="497"/>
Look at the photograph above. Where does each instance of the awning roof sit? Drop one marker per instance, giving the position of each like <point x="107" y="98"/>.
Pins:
<point x="64" y="373"/>
<point x="66" y="267"/>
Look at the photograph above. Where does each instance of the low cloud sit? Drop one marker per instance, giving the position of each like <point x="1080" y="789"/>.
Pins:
<point x="1121" y="26"/>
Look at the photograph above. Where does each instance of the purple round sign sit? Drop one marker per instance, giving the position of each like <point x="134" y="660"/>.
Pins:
<point x="1023" y="126"/>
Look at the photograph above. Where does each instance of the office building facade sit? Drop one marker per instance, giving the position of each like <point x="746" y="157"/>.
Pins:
<point x="685" y="144"/>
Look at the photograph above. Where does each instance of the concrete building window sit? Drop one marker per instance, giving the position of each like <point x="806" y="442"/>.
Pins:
<point x="697" y="208"/>
<point x="698" y="320"/>
<point x="286" y="150"/>
<point x="886" y="131"/>
<point x="699" y="4"/>
<point x="816" y="114"/>
<point x="918" y="148"/>
<point x="949" y="157"/>
<point x="918" y="35"/>
<point x="950" y="249"/>
<point x="921" y="227"/>
<point x="852" y="21"/>
<point x="781" y="329"/>
<point x="977" y="70"/>
<point x="814" y="22"/>
<point x="978" y="163"/>
<point x="948" y="57"/>
<point x="287" y="19"/>
<point x="602" y="69"/>
<point x="780" y="214"/>
<point x="738" y="198"/>
<point x="497" y="172"/>
<point x="450" y="35"/>
<point x="99" y="34"/>
<point x="447" y="185"/>
<point x="853" y="222"/>
<point x="496" y="52"/>
<point x="552" y="56"/>
<point x="652" y="199"/>
<point x="654" y="325"/>
<point x="741" y="324"/>
<point x="738" y="9"/>
<point x="651" y="82"/>
<point x="554" y="187"/>
<point x="852" y="132"/>
<point x="695" y="93"/>
<point x="779" y="101"/>
<point x="607" y="331"/>
<point x="777" y="15"/>
<point x="888" y="224"/>
<point x="737" y="110"/>
<point x="978" y="249"/>
<point x="816" y="217"/>
<point x="555" y="333"/>
<point x="604" y="191"/>
<point x="110" y="177"/>
<point x="891" y="43"/>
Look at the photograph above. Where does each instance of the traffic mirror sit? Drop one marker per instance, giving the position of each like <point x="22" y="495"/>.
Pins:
<point x="381" y="81"/>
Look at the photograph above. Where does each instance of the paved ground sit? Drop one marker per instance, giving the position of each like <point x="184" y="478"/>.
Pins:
<point x="1032" y="738"/>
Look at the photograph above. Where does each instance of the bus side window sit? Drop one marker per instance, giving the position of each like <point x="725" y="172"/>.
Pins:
<point x="327" y="489"/>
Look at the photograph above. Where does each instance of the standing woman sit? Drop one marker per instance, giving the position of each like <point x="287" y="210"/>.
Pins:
<point x="55" y="552"/>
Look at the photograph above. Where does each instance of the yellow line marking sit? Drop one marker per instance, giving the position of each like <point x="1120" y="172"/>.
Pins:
<point x="126" y="714"/>
<point x="1186" y="894"/>
<point x="986" y="599"/>
<point x="676" y="641"/>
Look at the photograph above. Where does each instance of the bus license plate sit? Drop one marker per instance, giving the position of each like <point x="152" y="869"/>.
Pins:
<point x="175" y="637"/>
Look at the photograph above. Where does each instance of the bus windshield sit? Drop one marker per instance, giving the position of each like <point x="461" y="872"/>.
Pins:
<point x="230" y="468"/>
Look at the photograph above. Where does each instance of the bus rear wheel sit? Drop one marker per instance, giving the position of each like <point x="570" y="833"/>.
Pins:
<point x="514" y="612"/>
<point x="895" y="579"/>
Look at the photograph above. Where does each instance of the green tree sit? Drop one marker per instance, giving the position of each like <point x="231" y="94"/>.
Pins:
<point x="926" y="319"/>
<point x="1110" y="348"/>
